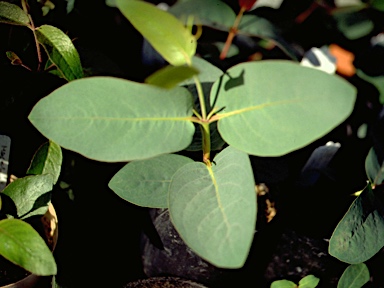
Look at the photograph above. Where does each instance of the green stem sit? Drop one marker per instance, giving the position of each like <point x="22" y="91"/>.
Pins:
<point x="200" y="94"/>
<point x="206" y="143"/>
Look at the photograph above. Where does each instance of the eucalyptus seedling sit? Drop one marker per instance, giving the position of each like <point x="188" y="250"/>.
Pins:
<point x="265" y="108"/>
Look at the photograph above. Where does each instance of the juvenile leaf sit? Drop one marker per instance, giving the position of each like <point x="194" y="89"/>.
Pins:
<point x="355" y="276"/>
<point x="110" y="119"/>
<point x="309" y="281"/>
<point x="146" y="183"/>
<point x="23" y="246"/>
<point x="61" y="51"/>
<point x="274" y="107"/>
<point x="170" y="76"/>
<point x="27" y="191"/>
<point x="163" y="30"/>
<point x="13" y="14"/>
<point x="213" y="13"/>
<point x="373" y="169"/>
<point x="214" y="208"/>
<point x="283" y="284"/>
<point x="15" y="60"/>
<point x="360" y="234"/>
<point x="47" y="160"/>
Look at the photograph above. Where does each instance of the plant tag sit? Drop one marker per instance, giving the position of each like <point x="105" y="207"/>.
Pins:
<point x="5" y="145"/>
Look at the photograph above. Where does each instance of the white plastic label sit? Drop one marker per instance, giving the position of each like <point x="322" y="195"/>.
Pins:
<point x="5" y="145"/>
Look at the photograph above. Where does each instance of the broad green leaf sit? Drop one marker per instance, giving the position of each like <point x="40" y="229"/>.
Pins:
<point x="283" y="284"/>
<point x="214" y="208"/>
<point x="47" y="160"/>
<point x="212" y="13"/>
<point x="164" y="31"/>
<point x="61" y="51"/>
<point x="274" y="107"/>
<point x="355" y="276"/>
<point x="146" y="183"/>
<point x="360" y="234"/>
<point x="13" y="14"/>
<point x="23" y="246"/>
<point x="374" y="170"/>
<point x="208" y="73"/>
<point x="378" y="4"/>
<point x="111" y="119"/>
<point x="169" y="76"/>
<point x="27" y="194"/>
<point x="309" y="281"/>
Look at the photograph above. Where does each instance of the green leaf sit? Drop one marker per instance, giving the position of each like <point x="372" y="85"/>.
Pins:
<point x="135" y="121"/>
<point x="23" y="246"/>
<point x="27" y="194"/>
<point x="47" y="160"/>
<point x="309" y="281"/>
<point x="61" y="51"/>
<point x="214" y="208"/>
<point x="374" y="170"/>
<point x="15" y="60"/>
<point x="146" y="183"/>
<point x="378" y="5"/>
<point x="360" y="234"/>
<point x="169" y="76"/>
<point x="212" y="13"/>
<point x="163" y="30"/>
<point x="283" y="284"/>
<point x="274" y="107"/>
<point x="13" y="14"/>
<point x="354" y="25"/>
<point x="355" y="276"/>
<point x="208" y="73"/>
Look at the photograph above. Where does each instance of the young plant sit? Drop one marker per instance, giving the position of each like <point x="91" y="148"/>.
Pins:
<point x="23" y="198"/>
<point x="265" y="108"/>
<point x="63" y="59"/>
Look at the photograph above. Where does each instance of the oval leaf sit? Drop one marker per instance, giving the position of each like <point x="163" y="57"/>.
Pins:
<point x="373" y="169"/>
<point x="13" y="14"/>
<point x="27" y="194"/>
<point x="163" y="30"/>
<point x="61" y="51"/>
<point x="309" y="281"/>
<point x="360" y="234"/>
<point x="146" y="183"/>
<point x="214" y="208"/>
<point x="275" y="107"/>
<point x="355" y="276"/>
<point x="47" y="160"/>
<point x="23" y="246"/>
<point x="111" y="119"/>
<point x="169" y="76"/>
<point x="283" y="284"/>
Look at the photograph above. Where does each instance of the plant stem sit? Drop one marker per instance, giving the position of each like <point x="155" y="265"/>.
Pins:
<point x="206" y="143"/>
<point x="232" y="34"/>
<point x="200" y="94"/>
<point x="33" y="28"/>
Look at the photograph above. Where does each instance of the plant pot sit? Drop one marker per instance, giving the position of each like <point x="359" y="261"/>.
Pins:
<point x="169" y="282"/>
<point x="49" y="224"/>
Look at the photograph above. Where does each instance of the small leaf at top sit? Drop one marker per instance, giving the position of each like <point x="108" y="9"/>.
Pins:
<point x="283" y="284"/>
<point x="27" y="194"/>
<point x="355" y="276"/>
<point x="274" y="107"/>
<point x="360" y="234"/>
<point x="146" y="182"/>
<point x="23" y="246"/>
<point x="111" y="119"/>
<point x="61" y="51"/>
<point x="309" y="281"/>
<point x="47" y="160"/>
<point x="13" y="14"/>
<point x="214" y="208"/>
<point x="164" y="31"/>
<point x="169" y="76"/>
